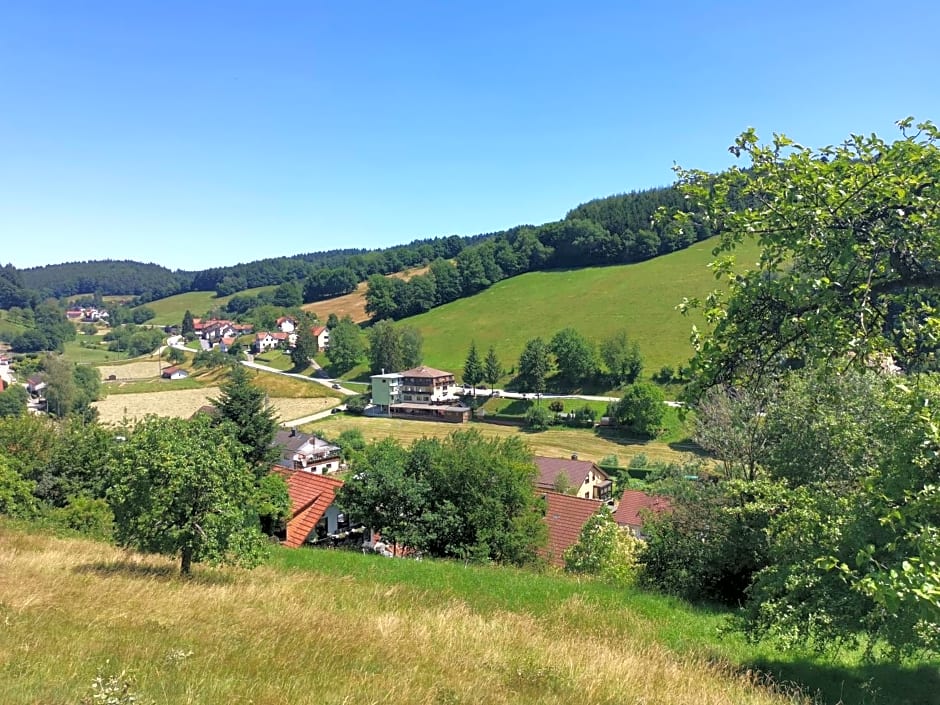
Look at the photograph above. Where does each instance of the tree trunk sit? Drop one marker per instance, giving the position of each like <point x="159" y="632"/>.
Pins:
<point x="186" y="561"/>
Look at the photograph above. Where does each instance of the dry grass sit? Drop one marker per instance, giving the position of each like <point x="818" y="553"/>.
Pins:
<point x="183" y="403"/>
<point x="555" y="442"/>
<point x="70" y="608"/>
<point x="354" y="304"/>
<point x="139" y="368"/>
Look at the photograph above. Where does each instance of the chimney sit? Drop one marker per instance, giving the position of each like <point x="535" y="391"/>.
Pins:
<point x="574" y="456"/>
<point x="293" y="431"/>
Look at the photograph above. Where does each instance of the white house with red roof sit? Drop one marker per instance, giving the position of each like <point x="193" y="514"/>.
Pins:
<point x="322" y="335"/>
<point x="581" y="478"/>
<point x="286" y="324"/>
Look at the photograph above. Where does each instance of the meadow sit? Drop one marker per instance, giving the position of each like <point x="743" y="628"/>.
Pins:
<point x="597" y="301"/>
<point x="170" y="310"/>
<point x="558" y="442"/>
<point x="316" y="626"/>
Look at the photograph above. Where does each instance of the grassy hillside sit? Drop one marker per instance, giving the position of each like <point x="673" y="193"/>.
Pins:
<point x="171" y="309"/>
<point x="597" y="301"/>
<point x="334" y="627"/>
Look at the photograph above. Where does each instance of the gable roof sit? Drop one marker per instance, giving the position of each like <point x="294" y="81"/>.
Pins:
<point x="575" y="470"/>
<point x="635" y="503"/>
<point x="565" y="516"/>
<point x="310" y="496"/>
<point x="425" y="371"/>
<point x="317" y="330"/>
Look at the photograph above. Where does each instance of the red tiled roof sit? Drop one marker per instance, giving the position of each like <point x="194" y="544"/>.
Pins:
<point x="426" y="372"/>
<point x="634" y="504"/>
<point x="228" y="340"/>
<point x="565" y="516"/>
<point x="262" y="335"/>
<point x="575" y="470"/>
<point x="310" y="497"/>
<point x="316" y="330"/>
<point x="280" y="336"/>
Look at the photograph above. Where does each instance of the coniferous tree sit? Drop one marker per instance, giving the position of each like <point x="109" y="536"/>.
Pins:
<point x="472" y="368"/>
<point x="244" y="408"/>
<point x="188" y="327"/>
<point x="492" y="368"/>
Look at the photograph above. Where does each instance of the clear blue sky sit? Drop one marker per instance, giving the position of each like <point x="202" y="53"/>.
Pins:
<point x="198" y="134"/>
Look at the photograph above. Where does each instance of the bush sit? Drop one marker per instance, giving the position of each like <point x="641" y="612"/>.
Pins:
<point x="91" y="517"/>
<point x="357" y="404"/>
<point x="538" y="418"/>
<point x="641" y="410"/>
<point x="582" y="418"/>
<point x="605" y="550"/>
<point x="557" y="406"/>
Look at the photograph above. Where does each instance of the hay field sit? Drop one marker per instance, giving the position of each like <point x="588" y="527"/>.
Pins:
<point x="138" y="369"/>
<point x="183" y="403"/>
<point x="555" y="442"/>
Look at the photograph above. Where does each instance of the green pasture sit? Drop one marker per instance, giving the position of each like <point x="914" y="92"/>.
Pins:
<point x="597" y="301"/>
<point x="169" y="311"/>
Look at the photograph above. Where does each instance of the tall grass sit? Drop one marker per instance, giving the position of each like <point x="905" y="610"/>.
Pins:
<point x="343" y="633"/>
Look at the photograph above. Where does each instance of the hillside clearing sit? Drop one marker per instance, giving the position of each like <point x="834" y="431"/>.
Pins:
<point x="354" y="303"/>
<point x="555" y="442"/>
<point x="170" y="310"/>
<point x="75" y="608"/>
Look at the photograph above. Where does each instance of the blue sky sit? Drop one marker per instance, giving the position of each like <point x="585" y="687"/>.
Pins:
<point x="198" y="134"/>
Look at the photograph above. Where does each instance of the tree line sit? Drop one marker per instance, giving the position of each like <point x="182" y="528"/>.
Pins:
<point x="616" y="230"/>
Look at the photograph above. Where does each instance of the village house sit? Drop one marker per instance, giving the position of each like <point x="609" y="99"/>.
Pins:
<point x="174" y="373"/>
<point x="635" y="506"/>
<point x="303" y="451"/>
<point x="581" y="478"/>
<point x="314" y="515"/>
<point x="565" y="516"/>
<point x="322" y="335"/>
<point x="35" y="385"/>
<point x="217" y="329"/>
<point x="422" y="393"/>
<point x="286" y="324"/>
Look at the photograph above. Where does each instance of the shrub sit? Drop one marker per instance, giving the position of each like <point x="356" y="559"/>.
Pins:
<point x="538" y="418"/>
<point x="605" y="550"/>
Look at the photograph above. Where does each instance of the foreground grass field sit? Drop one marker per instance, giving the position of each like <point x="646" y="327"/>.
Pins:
<point x="339" y="627"/>
<point x="597" y="301"/>
<point x="303" y="633"/>
<point x="555" y="442"/>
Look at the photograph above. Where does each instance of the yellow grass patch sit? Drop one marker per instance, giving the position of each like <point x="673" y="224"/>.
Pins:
<point x="354" y="304"/>
<point x="71" y="608"/>
<point x="184" y="403"/>
<point x="555" y="442"/>
<point x="138" y="369"/>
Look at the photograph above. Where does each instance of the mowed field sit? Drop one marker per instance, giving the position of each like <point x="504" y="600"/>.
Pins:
<point x="555" y="442"/>
<point x="184" y="403"/>
<point x="597" y="301"/>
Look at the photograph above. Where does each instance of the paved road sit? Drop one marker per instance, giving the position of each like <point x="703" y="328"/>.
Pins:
<point x="529" y="395"/>
<point x="313" y="417"/>
<point x="325" y="382"/>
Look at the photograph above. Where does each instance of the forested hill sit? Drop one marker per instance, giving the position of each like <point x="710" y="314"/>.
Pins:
<point x="613" y="230"/>
<point x="106" y="277"/>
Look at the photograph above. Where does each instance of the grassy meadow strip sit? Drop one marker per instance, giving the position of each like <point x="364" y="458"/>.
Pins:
<point x="556" y="442"/>
<point x="341" y="632"/>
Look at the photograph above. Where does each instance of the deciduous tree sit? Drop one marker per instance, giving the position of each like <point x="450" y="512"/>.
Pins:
<point x="346" y="348"/>
<point x="183" y="487"/>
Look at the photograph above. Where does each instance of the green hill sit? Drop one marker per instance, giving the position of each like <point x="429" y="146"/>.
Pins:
<point x="597" y="301"/>
<point x="170" y="310"/>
